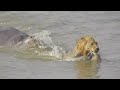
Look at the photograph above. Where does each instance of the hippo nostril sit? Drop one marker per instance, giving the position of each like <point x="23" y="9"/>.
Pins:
<point x="97" y="49"/>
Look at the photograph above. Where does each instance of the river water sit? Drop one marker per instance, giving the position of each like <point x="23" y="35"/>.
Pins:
<point x="63" y="27"/>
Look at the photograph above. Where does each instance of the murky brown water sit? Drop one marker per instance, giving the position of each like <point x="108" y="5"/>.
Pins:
<point x="65" y="27"/>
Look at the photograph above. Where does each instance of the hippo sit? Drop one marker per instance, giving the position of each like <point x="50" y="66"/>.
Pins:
<point x="10" y="36"/>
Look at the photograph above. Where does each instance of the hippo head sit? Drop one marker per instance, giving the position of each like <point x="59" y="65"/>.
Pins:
<point x="30" y="42"/>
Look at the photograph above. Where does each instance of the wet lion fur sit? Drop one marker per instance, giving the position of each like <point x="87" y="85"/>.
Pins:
<point x="83" y="46"/>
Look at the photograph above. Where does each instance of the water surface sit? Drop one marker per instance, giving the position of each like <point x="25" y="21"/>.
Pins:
<point x="64" y="27"/>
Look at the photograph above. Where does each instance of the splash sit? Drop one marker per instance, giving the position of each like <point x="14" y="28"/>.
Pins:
<point x="44" y="37"/>
<point x="47" y="48"/>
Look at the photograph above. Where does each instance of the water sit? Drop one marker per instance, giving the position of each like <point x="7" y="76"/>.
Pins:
<point x="62" y="29"/>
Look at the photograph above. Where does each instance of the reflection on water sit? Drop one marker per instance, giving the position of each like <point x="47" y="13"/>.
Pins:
<point x="87" y="69"/>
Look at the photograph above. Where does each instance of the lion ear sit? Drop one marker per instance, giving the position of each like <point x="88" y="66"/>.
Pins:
<point x="80" y="47"/>
<point x="81" y="44"/>
<point x="79" y="40"/>
<point x="82" y="38"/>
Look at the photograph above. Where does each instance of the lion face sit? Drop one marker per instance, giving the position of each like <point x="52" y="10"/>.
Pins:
<point x="90" y="49"/>
<point x="87" y="46"/>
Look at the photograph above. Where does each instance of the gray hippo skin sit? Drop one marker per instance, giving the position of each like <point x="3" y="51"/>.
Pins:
<point x="10" y="36"/>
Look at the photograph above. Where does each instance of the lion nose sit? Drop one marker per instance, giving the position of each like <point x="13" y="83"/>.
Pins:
<point x="97" y="49"/>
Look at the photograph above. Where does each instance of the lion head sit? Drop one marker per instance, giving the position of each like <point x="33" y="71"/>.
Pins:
<point x="87" y="46"/>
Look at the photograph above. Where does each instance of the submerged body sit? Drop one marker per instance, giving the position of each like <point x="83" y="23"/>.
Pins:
<point x="10" y="36"/>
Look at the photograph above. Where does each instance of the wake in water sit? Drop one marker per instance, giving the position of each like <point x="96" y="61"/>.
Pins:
<point x="41" y="45"/>
<point x="46" y="50"/>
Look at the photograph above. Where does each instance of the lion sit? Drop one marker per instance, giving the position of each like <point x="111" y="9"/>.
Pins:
<point x="85" y="46"/>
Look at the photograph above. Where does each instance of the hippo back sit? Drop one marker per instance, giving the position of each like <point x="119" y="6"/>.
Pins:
<point x="10" y="35"/>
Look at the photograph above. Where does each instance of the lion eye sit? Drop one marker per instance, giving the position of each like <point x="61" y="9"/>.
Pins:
<point x="91" y="43"/>
<point x="82" y="38"/>
<point x="87" y="48"/>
